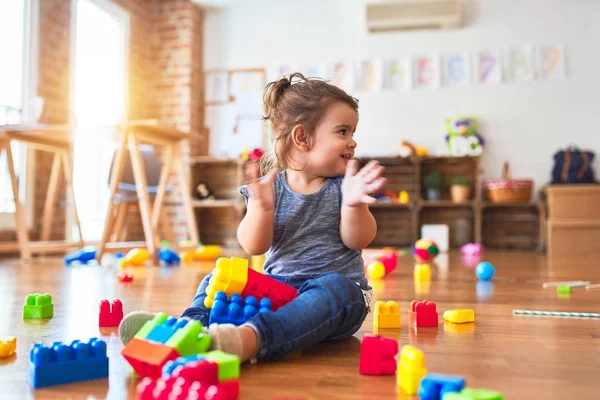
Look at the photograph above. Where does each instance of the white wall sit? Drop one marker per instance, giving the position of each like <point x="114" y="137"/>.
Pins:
<point x="524" y="123"/>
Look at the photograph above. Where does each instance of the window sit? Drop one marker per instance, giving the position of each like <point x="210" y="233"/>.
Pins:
<point x="18" y="77"/>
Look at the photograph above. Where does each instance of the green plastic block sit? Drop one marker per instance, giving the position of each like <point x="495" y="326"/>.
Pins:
<point x="38" y="306"/>
<point x="148" y="326"/>
<point x="474" y="394"/>
<point x="563" y="289"/>
<point x="190" y="340"/>
<point x="229" y="364"/>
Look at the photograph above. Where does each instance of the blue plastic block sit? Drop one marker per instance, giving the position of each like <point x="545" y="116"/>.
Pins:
<point x="168" y="257"/>
<point x="170" y="366"/>
<point x="61" y="364"/>
<point x="84" y="255"/>
<point x="236" y="311"/>
<point x="163" y="332"/>
<point x="434" y="386"/>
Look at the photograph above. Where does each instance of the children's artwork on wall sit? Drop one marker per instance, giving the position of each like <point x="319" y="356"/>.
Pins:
<point x="489" y="67"/>
<point x="426" y="71"/>
<point x="551" y="62"/>
<point x="342" y="75"/>
<point x="216" y="87"/>
<point x="397" y="73"/>
<point x="520" y="64"/>
<point x="369" y="75"/>
<point x="456" y="69"/>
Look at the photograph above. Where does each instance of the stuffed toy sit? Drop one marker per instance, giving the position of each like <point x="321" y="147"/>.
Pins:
<point x="462" y="137"/>
<point x="203" y="192"/>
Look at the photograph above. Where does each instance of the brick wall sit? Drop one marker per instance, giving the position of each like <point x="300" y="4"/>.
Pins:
<point x="165" y="80"/>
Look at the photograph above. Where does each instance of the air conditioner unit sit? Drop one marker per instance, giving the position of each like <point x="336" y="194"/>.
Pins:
<point x="399" y="15"/>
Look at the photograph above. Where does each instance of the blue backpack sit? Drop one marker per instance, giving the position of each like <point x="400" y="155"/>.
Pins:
<point x="573" y="166"/>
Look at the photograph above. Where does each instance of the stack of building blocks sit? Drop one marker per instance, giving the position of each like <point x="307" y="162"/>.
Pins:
<point x="59" y="363"/>
<point x="422" y="272"/>
<point x="459" y="316"/>
<point x="38" y="306"/>
<point x="163" y="339"/>
<point x="233" y="276"/>
<point x="236" y="310"/>
<point x="214" y="375"/>
<point x="8" y="346"/>
<point x="435" y="386"/>
<point x="423" y="314"/>
<point x="474" y="394"/>
<point x="377" y="355"/>
<point x="411" y="369"/>
<point x="387" y="315"/>
<point x="110" y="315"/>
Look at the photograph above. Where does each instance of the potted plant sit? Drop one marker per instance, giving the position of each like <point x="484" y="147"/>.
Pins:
<point x="434" y="182"/>
<point x="460" y="191"/>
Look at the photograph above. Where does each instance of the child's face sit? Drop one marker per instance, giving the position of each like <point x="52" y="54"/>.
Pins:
<point x="333" y="141"/>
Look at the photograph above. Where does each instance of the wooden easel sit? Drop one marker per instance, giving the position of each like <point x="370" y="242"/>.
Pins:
<point x="150" y="132"/>
<point x="55" y="139"/>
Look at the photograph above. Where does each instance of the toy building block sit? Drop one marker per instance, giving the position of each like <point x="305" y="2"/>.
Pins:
<point x="168" y="257"/>
<point x="125" y="276"/>
<point x="38" y="306"/>
<point x="170" y="367"/>
<point x="235" y="310"/>
<point x="189" y="340"/>
<point x="162" y="332"/>
<point x="8" y="346"/>
<point x="147" y="358"/>
<point x="61" y="364"/>
<point x="110" y="314"/>
<point x="229" y="364"/>
<point x="422" y="272"/>
<point x="158" y="319"/>
<point x="411" y="369"/>
<point x="435" y="386"/>
<point x="84" y="255"/>
<point x="134" y="258"/>
<point x="563" y="289"/>
<point x="387" y="315"/>
<point x="474" y="394"/>
<point x="423" y="314"/>
<point x="389" y="259"/>
<point x="232" y="276"/>
<point x="377" y="356"/>
<point x="459" y="316"/>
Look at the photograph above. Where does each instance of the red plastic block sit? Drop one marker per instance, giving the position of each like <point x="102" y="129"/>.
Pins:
<point x="147" y="358"/>
<point x="260" y="286"/>
<point x="423" y="314"/>
<point x="110" y="316"/>
<point x="203" y="371"/>
<point x="377" y="356"/>
<point x="179" y="388"/>
<point x="125" y="276"/>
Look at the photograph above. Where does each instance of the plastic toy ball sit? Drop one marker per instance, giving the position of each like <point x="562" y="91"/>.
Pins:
<point x="485" y="271"/>
<point x="376" y="270"/>
<point x="425" y="250"/>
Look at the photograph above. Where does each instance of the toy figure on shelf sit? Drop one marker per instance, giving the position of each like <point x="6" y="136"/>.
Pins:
<point x="462" y="137"/>
<point x="255" y="154"/>
<point x="204" y="192"/>
<point x="407" y="149"/>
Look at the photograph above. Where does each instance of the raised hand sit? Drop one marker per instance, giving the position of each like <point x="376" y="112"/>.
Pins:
<point x="262" y="191"/>
<point x="358" y="184"/>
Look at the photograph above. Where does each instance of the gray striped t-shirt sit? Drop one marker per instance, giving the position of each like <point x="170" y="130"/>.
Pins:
<point x="306" y="236"/>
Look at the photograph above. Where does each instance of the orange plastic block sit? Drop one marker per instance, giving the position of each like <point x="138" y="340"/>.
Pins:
<point x="411" y="369"/>
<point x="423" y="314"/>
<point x="459" y="316"/>
<point x="8" y="346"/>
<point x="422" y="272"/>
<point x="147" y="358"/>
<point x="230" y="275"/>
<point x="387" y="315"/>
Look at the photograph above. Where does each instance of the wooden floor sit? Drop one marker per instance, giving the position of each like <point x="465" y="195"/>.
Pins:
<point x="523" y="357"/>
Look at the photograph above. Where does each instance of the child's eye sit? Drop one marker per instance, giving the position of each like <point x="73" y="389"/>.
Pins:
<point x="342" y="132"/>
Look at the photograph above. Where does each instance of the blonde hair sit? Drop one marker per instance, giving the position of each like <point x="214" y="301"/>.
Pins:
<point x="294" y="100"/>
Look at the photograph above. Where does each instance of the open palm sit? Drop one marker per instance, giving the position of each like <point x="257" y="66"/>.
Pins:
<point x="358" y="184"/>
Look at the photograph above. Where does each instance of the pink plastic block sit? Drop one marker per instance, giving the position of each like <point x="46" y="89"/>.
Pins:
<point x="125" y="276"/>
<point x="110" y="316"/>
<point x="389" y="260"/>
<point x="260" y="286"/>
<point x="423" y="314"/>
<point x="377" y="356"/>
<point x="178" y="388"/>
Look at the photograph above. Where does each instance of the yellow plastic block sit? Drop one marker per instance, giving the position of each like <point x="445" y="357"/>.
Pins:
<point x="387" y="315"/>
<point x="8" y="346"/>
<point x="411" y="369"/>
<point x="135" y="258"/>
<point x="459" y="316"/>
<point x="422" y="272"/>
<point x="230" y="275"/>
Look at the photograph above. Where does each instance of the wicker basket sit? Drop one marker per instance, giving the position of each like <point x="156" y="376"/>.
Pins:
<point x="508" y="190"/>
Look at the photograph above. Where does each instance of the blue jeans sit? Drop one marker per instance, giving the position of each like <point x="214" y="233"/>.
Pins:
<point x="328" y="307"/>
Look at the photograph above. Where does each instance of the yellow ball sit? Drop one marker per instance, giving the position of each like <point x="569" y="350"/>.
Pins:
<point x="376" y="270"/>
